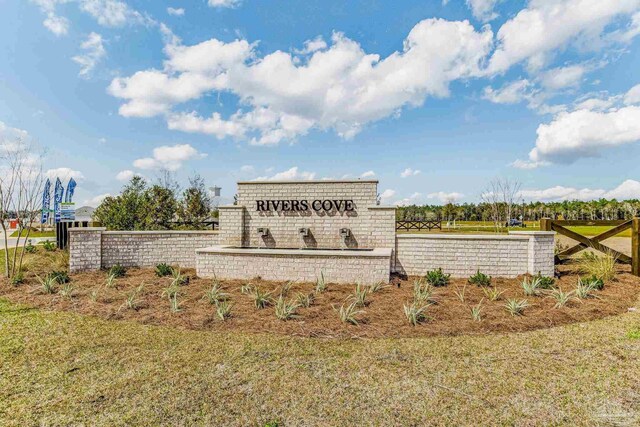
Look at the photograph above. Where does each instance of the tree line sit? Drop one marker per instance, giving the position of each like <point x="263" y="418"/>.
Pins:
<point x="158" y="206"/>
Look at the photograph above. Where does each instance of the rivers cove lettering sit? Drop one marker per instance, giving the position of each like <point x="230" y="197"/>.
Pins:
<point x="305" y="205"/>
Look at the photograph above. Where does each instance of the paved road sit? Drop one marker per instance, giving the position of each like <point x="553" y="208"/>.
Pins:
<point x="620" y="244"/>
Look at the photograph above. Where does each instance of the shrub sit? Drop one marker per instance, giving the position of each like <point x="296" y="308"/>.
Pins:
<point x="480" y="279"/>
<point x="531" y="286"/>
<point x="348" y="313"/>
<point x="223" y="309"/>
<point x="163" y="270"/>
<point x="321" y="284"/>
<point x="67" y="290"/>
<point x="545" y="282"/>
<point x="360" y="295"/>
<point x="492" y="293"/>
<point x="285" y="310"/>
<point x="601" y="266"/>
<point x="305" y="300"/>
<point x="437" y="277"/>
<point x="48" y="284"/>
<point x="49" y="246"/>
<point x="562" y="298"/>
<point x="117" y="271"/>
<point x="516" y="307"/>
<point x="416" y="312"/>
<point x="215" y="294"/>
<point x="596" y="282"/>
<point x="30" y="248"/>
<point x="17" y="279"/>
<point x="260" y="299"/>
<point x="476" y="312"/>
<point x="60" y="276"/>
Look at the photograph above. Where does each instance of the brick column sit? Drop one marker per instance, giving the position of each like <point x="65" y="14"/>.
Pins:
<point x="85" y="249"/>
<point x="231" y="225"/>
<point x="541" y="251"/>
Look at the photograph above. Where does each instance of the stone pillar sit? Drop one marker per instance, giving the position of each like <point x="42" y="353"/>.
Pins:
<point x="541" y="251"/>
<point x="231" y="220"/>
<point x="85" y="249"/>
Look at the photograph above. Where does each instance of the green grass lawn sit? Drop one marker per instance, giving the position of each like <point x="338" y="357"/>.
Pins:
<point x="34" y="233"/>
<point x="60" y="368"/>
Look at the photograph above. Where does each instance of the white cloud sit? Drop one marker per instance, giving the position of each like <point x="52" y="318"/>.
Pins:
<point x="311" y="46"/>
<point x="94" y="51"/>
<point x="95" y="201"/>
<point x="175" y="11"/>
<point x="387" y="194"/>
<point x="8" y="134"/>
<point x="629" y="189"/>
<point x="126" y="175"/>
<point x="563" y="77"/>
<point x="340" y="88"/>
<point x="633" y="95"/>
<point x="411" y="200"/>
<point x="444" y="197"/>
<point x="368" y="174"/>
<point x="483" y="9"/>
<point x="510" y="93"/>
<point x="293" y="174"/>
<point x="64" y="174"/>
<point x="247" y="169"/>
<point x="58" y="25"/>
<point x="224" y="3"/>
<point x="545" y="26"/>
<point x="409" y="172"/>
<point x="169" y="157"/>
<point x="112" y="13"/>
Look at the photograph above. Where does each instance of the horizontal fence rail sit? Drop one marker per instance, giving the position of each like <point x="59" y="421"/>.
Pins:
<point x="418" y="225"/>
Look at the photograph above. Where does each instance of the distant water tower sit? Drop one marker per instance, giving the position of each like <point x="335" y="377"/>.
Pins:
<point x="215" y="193"/>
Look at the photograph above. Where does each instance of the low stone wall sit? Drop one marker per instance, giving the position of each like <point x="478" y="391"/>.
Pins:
<point x="462" y="255"/>
<point x="290" y="264"/>
<point x="95" y="248"/>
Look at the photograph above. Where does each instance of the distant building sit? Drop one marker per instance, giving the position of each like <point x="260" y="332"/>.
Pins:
<point x="84" y="213"/>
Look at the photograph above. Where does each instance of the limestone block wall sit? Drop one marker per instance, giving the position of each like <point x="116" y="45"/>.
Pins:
<point x="305" y="266"/>
<point x="370" y="225"/>
<point x="95" y="248"/>
<point x="462" y="255"/>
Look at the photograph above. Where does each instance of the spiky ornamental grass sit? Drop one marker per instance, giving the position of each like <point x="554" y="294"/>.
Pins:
<point x="492" y="293"/>
<point x="531" y="286"/>
<point x="111" y="281"/>
<point x="223" y="309"/>
<point x="132" y="302"/>
<point x="172" y="292"/>
<point x="285" y="310"/>
<point x="305" y="300"/>
<point x="349" y="312"/>
<point x="460" y="293"/>
<point x="286" y="288"/>
<point x="360" y="295"/>
<point x="422" y="292"/>
<point x="562" y="298"/>
<point x="215" y="293"/>
<point x="66" y="290"/>
<point x="260" y="298"/>
<point x="602" y="267"/>
<point x="246" y="288"/>
<point x="378" y="286"/>
<point x="516" y="307"/>
<point x="179" y="279"/>
<point x="321" y="284"/>
<point x="586" y="287"/>
<point x="48" y="284"/>
<point x="416" y="312"/>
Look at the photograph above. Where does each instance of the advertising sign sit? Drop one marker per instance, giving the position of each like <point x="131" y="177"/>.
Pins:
<point x="67" y="211"/>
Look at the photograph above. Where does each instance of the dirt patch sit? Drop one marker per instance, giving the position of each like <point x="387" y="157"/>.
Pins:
<point x="382" y="317"/>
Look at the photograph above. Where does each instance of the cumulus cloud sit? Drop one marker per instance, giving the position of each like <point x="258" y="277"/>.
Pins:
<point x="594" y="126"/>
<point x="629" y="189"/>
<point x="58" y="25"/>
<point x="8" y="134"/>
<point x="445" y="197"/>
<point x="413" y="199"/>
<point x="340" y="87"/>
<point x="224" y="3"/>
<point x="175" y="11"/>
<point x="64" y="174"/>
<point x="168" y="157"/>
<point x="545" y="26"/>
<point x="311" y="46"/>
<point x="94" y="51"/>
<point x="293" y="174"/>
<point x="563" y="77"/>
<point x="95" y="201"/>
<point x="483" y="10"/>
<point x="510" y="93"/>
<point x="409" y="172"/>
<point x="387" y="194"/>
<point x="368" y="174"/>
<point x="126" y="175"/>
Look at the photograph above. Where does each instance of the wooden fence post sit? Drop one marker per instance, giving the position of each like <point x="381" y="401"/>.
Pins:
<point x="635" y="247"/>
<point x="545" y="224"/>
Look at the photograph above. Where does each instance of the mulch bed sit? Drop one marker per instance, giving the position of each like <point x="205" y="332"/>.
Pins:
<point x="382" y="317"/>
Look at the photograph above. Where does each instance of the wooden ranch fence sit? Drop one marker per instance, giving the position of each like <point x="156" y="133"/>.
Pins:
<point x="418" y="225"/>
<point x="584" y="242"/>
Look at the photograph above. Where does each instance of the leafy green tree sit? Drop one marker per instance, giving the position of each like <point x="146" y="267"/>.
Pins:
<point x="162" y="208"/>
<point x="129" y="210"/>
<point x="195" y="206"/>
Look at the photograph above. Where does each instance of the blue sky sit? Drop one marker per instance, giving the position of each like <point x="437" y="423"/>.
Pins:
<point x="432" y="98"/>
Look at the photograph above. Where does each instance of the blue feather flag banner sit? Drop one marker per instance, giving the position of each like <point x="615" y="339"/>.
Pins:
<point x="71" y="186"/>
<point x="57" y="200"/>
<point x="46" y="201"/>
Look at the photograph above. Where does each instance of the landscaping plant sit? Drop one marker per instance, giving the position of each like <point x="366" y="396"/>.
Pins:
<point x="17" y="279"/>
<point x="223" y="309"/>
<point x="360" y="295"/>
<point x="48" y="284"/>
<point x="30" y="248"/>
<point x="132" y="302"/>
<point x="179" y="279"/>
<point x="586" y="286"/>
<point x="49" y="246"/>
<point x="545" y="282"/>
<point x="215" y="294"/>
<point x="422" y="292"/>
<point x="260" y="299"/>
<point x="531" y="286"/>
<point x="416" y="312"/>
<point x="460" y="292"/>
<point x="60" y="276"/>
<point x="480" y="279"/>
<point x="172" y="292"/>
<point x="305" y="300"/>
<point x="286" y="288"/>
<point x="492" y="293"/>
<point x="66" y="290"/>
<point x="437" y="277"/>
<point x="562" y="298"/>
<point x="321" y="284"/>
<point x="163" y="270"/>
<point x="378" y="286"/>
<point x="285" y="310"/>
<point x="348" y="313"/>
<point x="117" y="271"/>
<point x="246" y="288"/>
<point x="516" y="307"/>
<point x="475" y="312"/>
<point x="601" y="266"/>
<point x="111" y="281"/>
